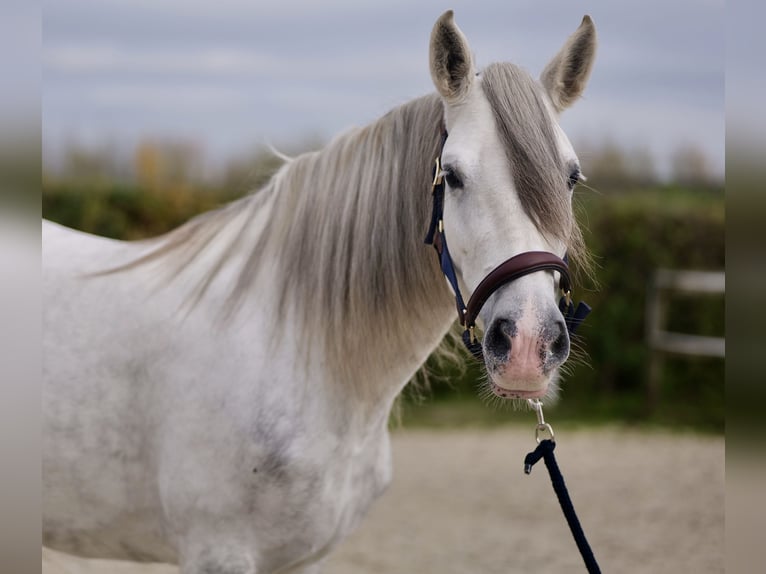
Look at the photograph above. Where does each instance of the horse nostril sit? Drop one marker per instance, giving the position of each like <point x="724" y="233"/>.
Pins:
<point x="560" y="346"/>
<point x="497" y="340"/>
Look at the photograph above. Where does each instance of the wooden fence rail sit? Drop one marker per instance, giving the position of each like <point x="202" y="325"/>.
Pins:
<point x="660" y="342"/>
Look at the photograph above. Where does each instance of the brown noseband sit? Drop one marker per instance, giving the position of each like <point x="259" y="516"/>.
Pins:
<point x="510" y="270"/>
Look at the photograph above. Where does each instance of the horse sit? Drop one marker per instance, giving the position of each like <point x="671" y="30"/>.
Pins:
<point x="218" y="397"/>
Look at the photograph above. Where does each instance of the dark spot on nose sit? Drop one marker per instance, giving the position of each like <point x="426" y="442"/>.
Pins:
<point x="497" y="340"/>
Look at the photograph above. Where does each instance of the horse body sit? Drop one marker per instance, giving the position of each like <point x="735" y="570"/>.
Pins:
<point x="219" y="397"/>
<point x="155" y="431"/>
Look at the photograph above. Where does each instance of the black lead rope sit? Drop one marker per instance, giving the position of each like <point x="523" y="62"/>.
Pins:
<point x="544" y="450"/>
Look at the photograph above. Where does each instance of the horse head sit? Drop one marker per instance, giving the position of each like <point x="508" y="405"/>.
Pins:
<point x="509" y="171"/>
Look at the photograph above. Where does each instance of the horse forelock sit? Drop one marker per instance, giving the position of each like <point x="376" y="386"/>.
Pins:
<point x="527" y="134"/>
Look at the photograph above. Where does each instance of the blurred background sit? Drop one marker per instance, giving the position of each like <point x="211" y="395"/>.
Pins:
<point x="153" y="112"/>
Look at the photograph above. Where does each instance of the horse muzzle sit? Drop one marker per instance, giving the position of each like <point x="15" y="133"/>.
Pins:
<point x="521" y="355"/>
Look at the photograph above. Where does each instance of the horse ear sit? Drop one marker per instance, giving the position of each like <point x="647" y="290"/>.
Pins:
<point x="450" y="59"/>
<point x="566" y="74"/>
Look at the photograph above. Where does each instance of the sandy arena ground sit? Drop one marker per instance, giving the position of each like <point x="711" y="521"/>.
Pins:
<point x="460" y="503"/>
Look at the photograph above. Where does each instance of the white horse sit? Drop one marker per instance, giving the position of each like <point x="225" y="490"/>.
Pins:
<point x="218" y="397"/>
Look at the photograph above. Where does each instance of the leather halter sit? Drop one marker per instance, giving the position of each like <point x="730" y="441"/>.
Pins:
<point x="508" y="271"/>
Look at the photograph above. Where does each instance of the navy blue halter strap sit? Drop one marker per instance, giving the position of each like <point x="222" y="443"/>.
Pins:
<point x="509" y="270"/>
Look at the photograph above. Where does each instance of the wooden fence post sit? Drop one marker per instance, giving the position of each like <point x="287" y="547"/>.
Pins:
<point x="660" y="341"/>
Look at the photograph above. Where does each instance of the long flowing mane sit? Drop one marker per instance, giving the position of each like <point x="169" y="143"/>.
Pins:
<point x="345" y="227"/>
<point x="348" y="229"/>
<point x="342" y="227"/>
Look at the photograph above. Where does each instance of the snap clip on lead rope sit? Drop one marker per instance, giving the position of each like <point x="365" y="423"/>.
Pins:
<point x="544" y="450"/>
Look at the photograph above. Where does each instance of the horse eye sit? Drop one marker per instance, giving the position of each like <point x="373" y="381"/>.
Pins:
<point x="574" y="177"/>
<point x="453" y="179"/>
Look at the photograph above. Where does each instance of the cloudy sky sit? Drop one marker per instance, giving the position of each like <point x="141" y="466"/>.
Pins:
<point x="232" y="74"/>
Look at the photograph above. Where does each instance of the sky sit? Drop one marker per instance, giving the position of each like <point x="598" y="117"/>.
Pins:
<point x="233" y="74"/>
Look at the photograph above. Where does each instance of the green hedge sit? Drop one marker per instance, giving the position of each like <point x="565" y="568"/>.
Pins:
<point x="124" y="211"/>
<point x="630" y="234"/>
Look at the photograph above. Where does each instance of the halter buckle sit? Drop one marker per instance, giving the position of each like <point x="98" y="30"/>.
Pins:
<point x="568" y="297"/>
<point x="470" y="328"/>
<point x="438" y="177"/>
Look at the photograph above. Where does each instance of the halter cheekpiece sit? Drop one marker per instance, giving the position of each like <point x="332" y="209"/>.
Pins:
<point x="510" y="270"/>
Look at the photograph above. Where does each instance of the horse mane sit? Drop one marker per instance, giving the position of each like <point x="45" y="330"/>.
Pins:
<point x="343" y="227"/>
<point x="343" y="232"/>
<point x="348" y="231"/>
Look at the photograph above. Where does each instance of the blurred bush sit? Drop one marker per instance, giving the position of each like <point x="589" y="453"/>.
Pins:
<point x="125" y="211"/>
<point x="631" y="235"/>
